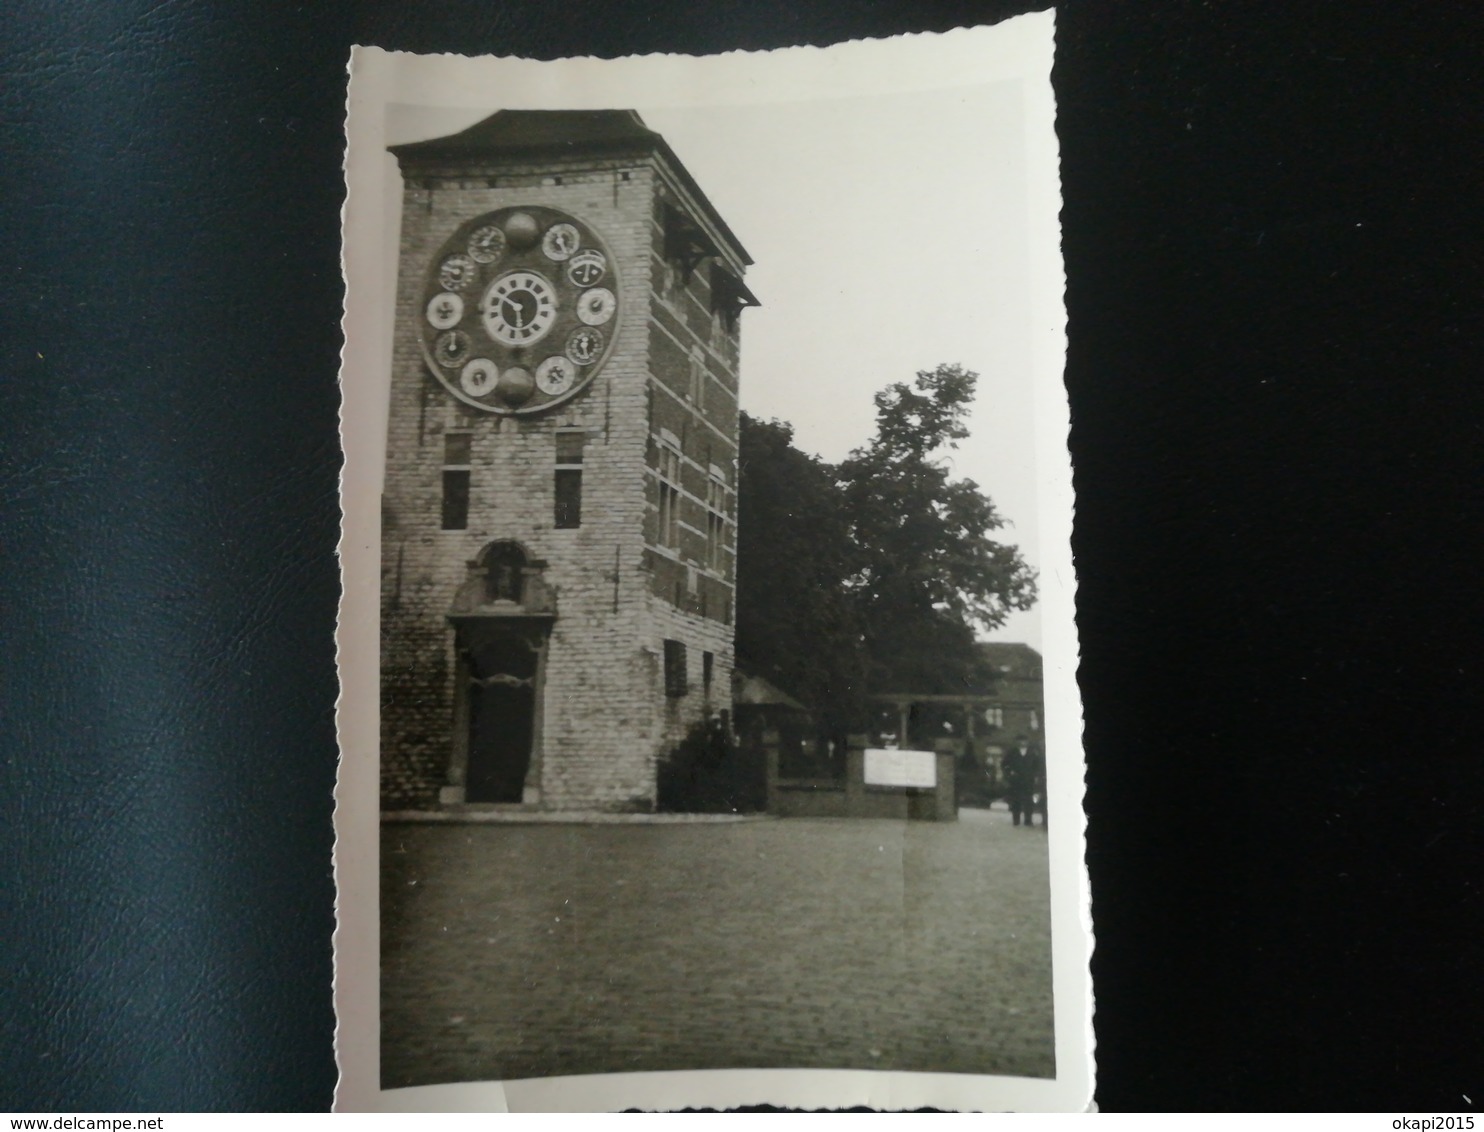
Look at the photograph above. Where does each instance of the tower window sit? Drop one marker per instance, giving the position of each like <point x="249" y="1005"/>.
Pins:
<point x="504" y="572"/>
<point x="716" y="522"/>
<point x="675" y="680"/>
<point x="569" y="479"/>
<point x="708" y="662"/>
<point x="456" y="471"/>
<point x="697" y="391"/>
<point x="669" y="532"/>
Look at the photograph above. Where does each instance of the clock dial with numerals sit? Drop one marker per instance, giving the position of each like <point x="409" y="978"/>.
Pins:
<point x="511" y="309"/>
<point x="560" y="242"/>
<point x="519" y="309"/>
<point x="487" y="243"/>
<point x="451" y="348"/>
<point x="585" y="345"/>
<point x="456" y="272"/>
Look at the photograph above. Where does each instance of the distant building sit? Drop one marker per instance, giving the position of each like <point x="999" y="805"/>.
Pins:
<point x="980" y="724"/>
<point x="1016" y="704"/>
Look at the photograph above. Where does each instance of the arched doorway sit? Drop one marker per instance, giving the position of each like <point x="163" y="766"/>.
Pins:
<point x="501" y="644"/>
<point x="502" y="665"/>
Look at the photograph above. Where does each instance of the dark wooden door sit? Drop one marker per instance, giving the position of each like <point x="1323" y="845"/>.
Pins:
<point x="502" y="716"/>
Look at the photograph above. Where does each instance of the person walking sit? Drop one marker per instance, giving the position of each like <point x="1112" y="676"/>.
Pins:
<point x="1019" y="780"/>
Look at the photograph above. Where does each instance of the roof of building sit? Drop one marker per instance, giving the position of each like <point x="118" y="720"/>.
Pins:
<point x="508" y="133"/>
<point x="748" y="689"/>
<point x="1012" y="659"/>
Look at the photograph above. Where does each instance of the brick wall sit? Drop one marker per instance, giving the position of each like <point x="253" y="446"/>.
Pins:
<point x="603" y="716"/>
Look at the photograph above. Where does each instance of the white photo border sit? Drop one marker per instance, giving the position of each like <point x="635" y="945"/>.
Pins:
<point x="1018" y="50"/>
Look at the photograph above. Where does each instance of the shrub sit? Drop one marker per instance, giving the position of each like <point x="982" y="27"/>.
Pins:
<point x="708" y="773"/>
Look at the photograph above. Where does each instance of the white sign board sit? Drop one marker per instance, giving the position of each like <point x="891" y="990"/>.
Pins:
<point x="901" y="768"/>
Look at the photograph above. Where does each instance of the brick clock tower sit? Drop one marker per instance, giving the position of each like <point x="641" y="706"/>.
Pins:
<point x="559" y="509"/>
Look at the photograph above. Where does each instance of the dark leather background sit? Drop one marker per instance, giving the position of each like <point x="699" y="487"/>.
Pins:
<point x="1271" y="233"/>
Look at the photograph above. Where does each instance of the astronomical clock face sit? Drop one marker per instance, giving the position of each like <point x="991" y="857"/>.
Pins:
<point x="519" y="309"/>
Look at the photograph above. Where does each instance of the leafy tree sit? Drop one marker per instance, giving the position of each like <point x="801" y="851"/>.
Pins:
<point x="874" y="575"/>
<point x="796" y="622"/>
<point x="930" y="576"/>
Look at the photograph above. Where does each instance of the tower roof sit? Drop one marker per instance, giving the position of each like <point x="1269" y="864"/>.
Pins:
<point x="560" y="133"/>
<point x="539" y="131"/>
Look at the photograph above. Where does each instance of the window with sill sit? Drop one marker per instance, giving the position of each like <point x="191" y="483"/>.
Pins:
<point x="504" y="572"/>
<point x="696" y="393"/>
<point x="456" y="475"/>
<point x="675" y="680"/>
<point x="668" y="534"/>
<point x="716" y="522"/>
<point x="568" y="487"/>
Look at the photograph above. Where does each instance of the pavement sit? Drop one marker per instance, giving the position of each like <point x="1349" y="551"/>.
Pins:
<point x="532" y="950"/>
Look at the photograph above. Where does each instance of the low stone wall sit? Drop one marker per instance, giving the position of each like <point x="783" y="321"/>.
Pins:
<point x="852" y="797"/>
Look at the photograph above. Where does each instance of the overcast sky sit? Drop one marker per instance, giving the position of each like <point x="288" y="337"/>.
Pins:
<point x="889" y="237"/>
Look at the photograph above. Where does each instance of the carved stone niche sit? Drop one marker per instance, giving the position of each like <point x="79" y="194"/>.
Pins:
<point x="505" y="581"/>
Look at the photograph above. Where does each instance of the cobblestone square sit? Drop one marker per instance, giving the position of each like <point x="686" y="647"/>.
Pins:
<point x="513" y="951"/>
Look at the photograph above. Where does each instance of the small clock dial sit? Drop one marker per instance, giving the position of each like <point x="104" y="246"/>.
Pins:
<point x="555" y="375"/>
<point x="478" y="377"/>
<point x="457" y="272"/>
<point x="519" y="308"/>
<point x="487" y="244"/>
<point x="560" y="242"/>
<point x="587" y="267"/>
<point x="596" y="307"/>
<point x="445" y="310"/>
<point x="451" y="348"/>
<point x="585" y="345"/>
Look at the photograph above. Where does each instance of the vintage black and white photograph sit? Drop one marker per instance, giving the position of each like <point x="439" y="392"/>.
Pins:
<point x="709" y="665"/>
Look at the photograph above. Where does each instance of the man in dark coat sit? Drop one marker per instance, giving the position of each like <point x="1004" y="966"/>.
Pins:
<point x="1019" y="770"/>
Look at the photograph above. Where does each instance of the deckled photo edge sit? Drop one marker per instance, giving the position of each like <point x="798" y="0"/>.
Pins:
<point x="375" y="75"/>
